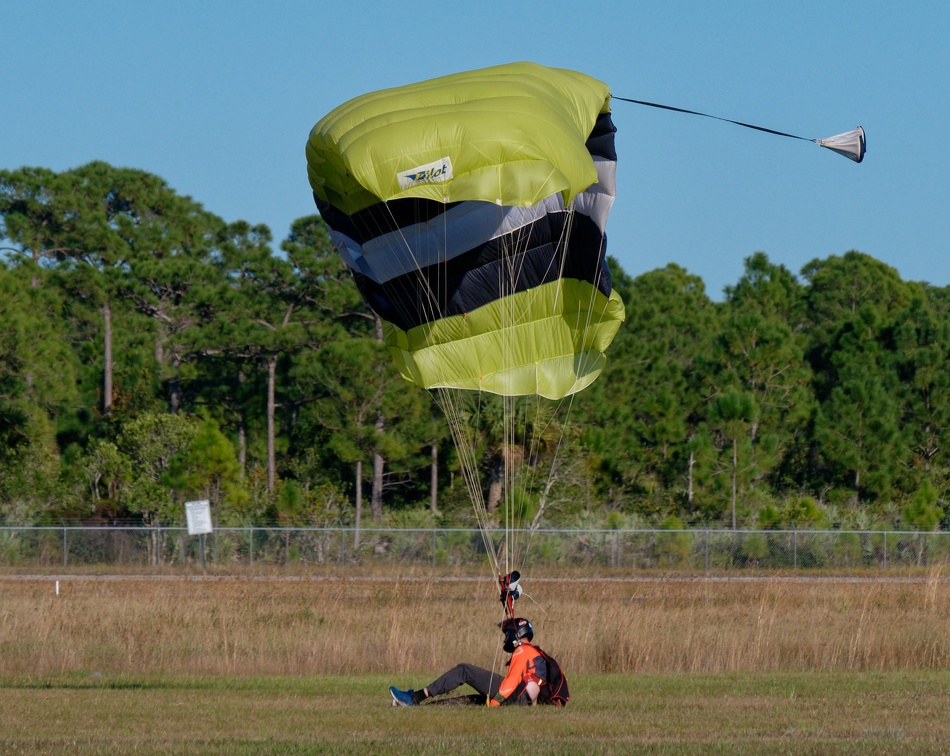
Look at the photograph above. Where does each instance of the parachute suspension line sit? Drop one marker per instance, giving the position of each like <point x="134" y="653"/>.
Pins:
<point x="551" y="479"/>
<point x="403" y="268"/>
<point x="509" y="453"/>
<point x="506" y="468"/>
<point x="543" y="610"/>
<point x="463" y="436"/>
<point x="520" y="454"/>
<point x="499" y="470"/>
<point x="527" y="422"/>
<point x="544" y="421"/>
<point x="527" y="436"/>
<point x="556" y="457"/>
<point x="525" y="419"/>
<point x="539" y="418"/>
<point x="463" y="427"/>
<point x="507" y="285"/>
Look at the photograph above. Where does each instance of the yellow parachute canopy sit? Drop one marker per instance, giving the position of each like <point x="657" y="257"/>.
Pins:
<point x="472" y="210"/>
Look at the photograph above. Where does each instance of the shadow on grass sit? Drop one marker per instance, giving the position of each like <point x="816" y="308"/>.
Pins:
<point x="474" y="700"/>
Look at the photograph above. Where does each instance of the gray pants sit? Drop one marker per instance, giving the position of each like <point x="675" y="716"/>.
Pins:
<point x="483" y="680"/>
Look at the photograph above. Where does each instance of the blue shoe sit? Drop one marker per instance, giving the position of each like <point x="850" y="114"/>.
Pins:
<point x="401" y="697"/>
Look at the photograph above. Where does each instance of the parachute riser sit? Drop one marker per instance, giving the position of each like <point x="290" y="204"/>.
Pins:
<point x="510" y="590"/>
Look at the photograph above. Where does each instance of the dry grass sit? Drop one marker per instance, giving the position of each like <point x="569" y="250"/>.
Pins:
<point x="416" y="626"/>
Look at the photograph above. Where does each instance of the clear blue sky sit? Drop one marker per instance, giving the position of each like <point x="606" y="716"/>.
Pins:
<point x="218" y="98"/>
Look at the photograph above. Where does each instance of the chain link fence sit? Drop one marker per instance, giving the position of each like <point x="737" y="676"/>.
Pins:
<point x="687" y="550"/>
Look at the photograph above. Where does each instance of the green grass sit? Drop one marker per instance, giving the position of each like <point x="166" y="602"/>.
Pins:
<point x="800" y="712"/>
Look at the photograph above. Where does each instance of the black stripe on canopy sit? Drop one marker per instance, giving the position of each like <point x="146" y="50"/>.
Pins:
<point x="537" y="254"/>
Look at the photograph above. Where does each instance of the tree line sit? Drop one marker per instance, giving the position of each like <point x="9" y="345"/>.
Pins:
<point x="152" y="353"/>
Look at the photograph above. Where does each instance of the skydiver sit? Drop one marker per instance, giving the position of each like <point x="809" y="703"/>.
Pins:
<point x="527" y="674"/>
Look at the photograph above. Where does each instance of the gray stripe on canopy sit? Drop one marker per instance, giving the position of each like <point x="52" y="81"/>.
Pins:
<point x="453" y="233"/>
<point x="595" y="201"/>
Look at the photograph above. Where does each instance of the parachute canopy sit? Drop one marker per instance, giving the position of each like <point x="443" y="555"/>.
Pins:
<point x="472" y="209"/>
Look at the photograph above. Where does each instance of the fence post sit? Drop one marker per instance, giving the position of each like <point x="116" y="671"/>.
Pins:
<point x="250" y="544"/>
<point x="342" y="543"/>
<point x="433" y="546"/>
<point x="885" y="549"/>
<point x="706" y="549"/>
<point x="65" y="548"/>
<point x="794" y="546"/>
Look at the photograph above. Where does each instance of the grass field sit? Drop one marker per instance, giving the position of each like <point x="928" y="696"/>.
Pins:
<point x="735" y="713"/>
<point x="270" y="664"/>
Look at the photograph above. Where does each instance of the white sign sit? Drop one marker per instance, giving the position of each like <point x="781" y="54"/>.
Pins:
<point x="199" y="516"/>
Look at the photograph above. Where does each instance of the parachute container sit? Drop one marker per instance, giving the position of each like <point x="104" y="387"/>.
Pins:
<point x="472" y="211"/>
<point x="851" y="144"/>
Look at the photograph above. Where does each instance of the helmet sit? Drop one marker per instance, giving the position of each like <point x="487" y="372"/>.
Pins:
<point x="515" y="630"/>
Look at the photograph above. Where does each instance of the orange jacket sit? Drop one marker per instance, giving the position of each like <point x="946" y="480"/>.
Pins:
<point x="526" y="665"/>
